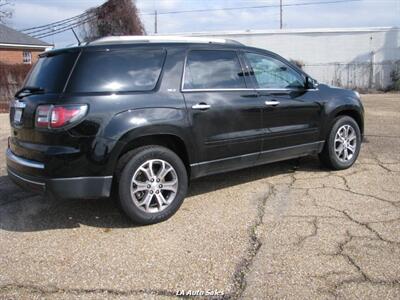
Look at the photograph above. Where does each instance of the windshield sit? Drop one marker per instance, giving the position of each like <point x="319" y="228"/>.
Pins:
<point x="51" y="72"/>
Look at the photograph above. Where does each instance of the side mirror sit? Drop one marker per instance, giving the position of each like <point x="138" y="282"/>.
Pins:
<point x="311" y="83"/>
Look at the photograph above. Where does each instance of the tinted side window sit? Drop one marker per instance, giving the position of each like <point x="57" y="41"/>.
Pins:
<point x="51" y="72"/>
<point x="213" y="69"/>
<point x="272" y="73"/>
<point x="117" y="70"/>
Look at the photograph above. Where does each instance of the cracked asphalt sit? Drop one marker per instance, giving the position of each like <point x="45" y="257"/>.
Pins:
<point x="286" y="230"/>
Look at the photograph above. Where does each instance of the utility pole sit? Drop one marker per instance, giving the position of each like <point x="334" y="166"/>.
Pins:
<point x="155" y="21"/>
<point x="280" y="9"/>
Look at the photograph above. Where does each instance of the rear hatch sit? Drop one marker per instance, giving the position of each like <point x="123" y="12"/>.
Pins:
<point x="44" y="85"/>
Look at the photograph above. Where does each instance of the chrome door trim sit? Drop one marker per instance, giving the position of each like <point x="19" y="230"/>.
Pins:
<point x="217" y="90"/>
<point x="255" y="153"/>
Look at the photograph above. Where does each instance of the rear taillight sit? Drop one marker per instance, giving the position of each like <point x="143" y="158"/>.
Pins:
<point x="42" y="115"/>
<point x="57" y="116"/>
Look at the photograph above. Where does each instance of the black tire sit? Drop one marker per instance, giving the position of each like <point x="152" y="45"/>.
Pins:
<point x="328" y="156"/>
<point x="129" y="163"/>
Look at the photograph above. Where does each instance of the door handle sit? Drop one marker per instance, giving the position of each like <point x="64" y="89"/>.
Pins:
<point x="272" y="103"/>
<point x="201" y="106"/>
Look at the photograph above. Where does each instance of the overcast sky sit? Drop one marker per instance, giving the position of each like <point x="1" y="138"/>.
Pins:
<point x="29" y="13"/>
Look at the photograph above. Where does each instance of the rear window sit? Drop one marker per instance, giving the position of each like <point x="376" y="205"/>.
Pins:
<point x="117" y="70"/>
<point x="51" y="72"/>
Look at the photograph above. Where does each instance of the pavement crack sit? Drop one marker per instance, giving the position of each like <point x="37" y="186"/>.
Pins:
<point x="239" y="276"/>
<point x="302" y="239"/>
<point x="368" y="227"/>
<point x="382" y="164"/>
<point x="341" y="252"/>
<point x="362" y="276"/>
<point x="52" y="290"/>
<point x="394" y="203"/>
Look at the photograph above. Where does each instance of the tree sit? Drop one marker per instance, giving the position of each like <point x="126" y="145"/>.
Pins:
<point x="115" y="17"/>
<point x="5" y="10"/>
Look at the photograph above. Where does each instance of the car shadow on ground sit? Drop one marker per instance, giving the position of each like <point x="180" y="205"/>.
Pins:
<point x="25" y="212"/>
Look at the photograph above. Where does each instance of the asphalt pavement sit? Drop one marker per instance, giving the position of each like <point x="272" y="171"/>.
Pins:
<point x="290" y="230"/>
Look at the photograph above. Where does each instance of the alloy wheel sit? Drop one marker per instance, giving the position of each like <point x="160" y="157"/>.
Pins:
<point x="345" y="143"/>
<point x="154" y="186"/>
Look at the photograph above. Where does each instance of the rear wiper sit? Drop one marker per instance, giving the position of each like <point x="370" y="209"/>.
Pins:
<point x="28" y="90"/>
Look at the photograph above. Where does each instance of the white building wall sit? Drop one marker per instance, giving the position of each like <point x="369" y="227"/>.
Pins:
<point x="348" y="57"/>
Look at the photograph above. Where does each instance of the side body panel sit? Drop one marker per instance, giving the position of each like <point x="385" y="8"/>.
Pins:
<point x="228" y="133"/>
<point x="294" y="121"/>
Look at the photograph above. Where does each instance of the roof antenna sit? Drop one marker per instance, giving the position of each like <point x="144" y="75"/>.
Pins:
<point x="79" y="42"/>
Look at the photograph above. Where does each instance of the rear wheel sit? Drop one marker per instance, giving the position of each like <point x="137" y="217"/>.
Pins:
<point x="152" y="184"/>
<point x="343" y="144"/>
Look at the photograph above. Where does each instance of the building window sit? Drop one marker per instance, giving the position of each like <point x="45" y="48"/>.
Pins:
<point x="26" y="57"/>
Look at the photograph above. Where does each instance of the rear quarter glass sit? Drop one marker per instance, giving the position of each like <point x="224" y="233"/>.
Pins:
<point x="51" y="72"/>
<point x="121" y="70"/>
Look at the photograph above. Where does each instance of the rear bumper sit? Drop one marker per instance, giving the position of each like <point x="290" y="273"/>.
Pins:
<point x="74" y="187"/>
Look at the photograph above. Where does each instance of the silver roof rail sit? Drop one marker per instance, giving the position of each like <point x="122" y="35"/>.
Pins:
<point x="159" y="39"/>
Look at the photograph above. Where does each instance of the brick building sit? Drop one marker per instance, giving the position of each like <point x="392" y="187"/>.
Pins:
<point x="19" y="48"/>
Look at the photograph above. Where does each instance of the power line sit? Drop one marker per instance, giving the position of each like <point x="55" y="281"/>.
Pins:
<point x="63" y="21"/>
<point x="64" y="28"/>
<point x="55" y="23"/>
<point x="75" y="21"/>
<point x="250" y="7"/>
<point x="280" y="5"/>
<point x="51" y="27"/>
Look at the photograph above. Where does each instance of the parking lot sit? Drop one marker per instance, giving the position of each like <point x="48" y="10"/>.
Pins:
<point x="286" y="230"/>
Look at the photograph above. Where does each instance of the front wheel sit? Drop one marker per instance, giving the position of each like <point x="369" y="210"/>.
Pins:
<point x="152" y="184"/>
<point x="343" y="144"/>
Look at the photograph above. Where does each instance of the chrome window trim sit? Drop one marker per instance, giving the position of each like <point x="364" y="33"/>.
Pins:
<point x="246" y="89"/>
<point x="217" y="90"/>
<point x="22" y="161"/>
<point x="279" y="89"/>
<point x="285" y="89"/>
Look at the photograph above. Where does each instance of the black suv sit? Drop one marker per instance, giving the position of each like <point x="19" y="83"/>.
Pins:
<point x="143" y="115"/>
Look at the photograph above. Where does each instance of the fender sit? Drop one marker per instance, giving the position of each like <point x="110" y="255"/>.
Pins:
<point x="343" y="102"/>
<point x="132" y="124"/>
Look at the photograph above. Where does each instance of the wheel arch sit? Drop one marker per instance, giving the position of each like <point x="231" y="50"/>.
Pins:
<point x="353" y="114"/>
<point x="350" y="111"/>
<point x="169" y="140"/>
